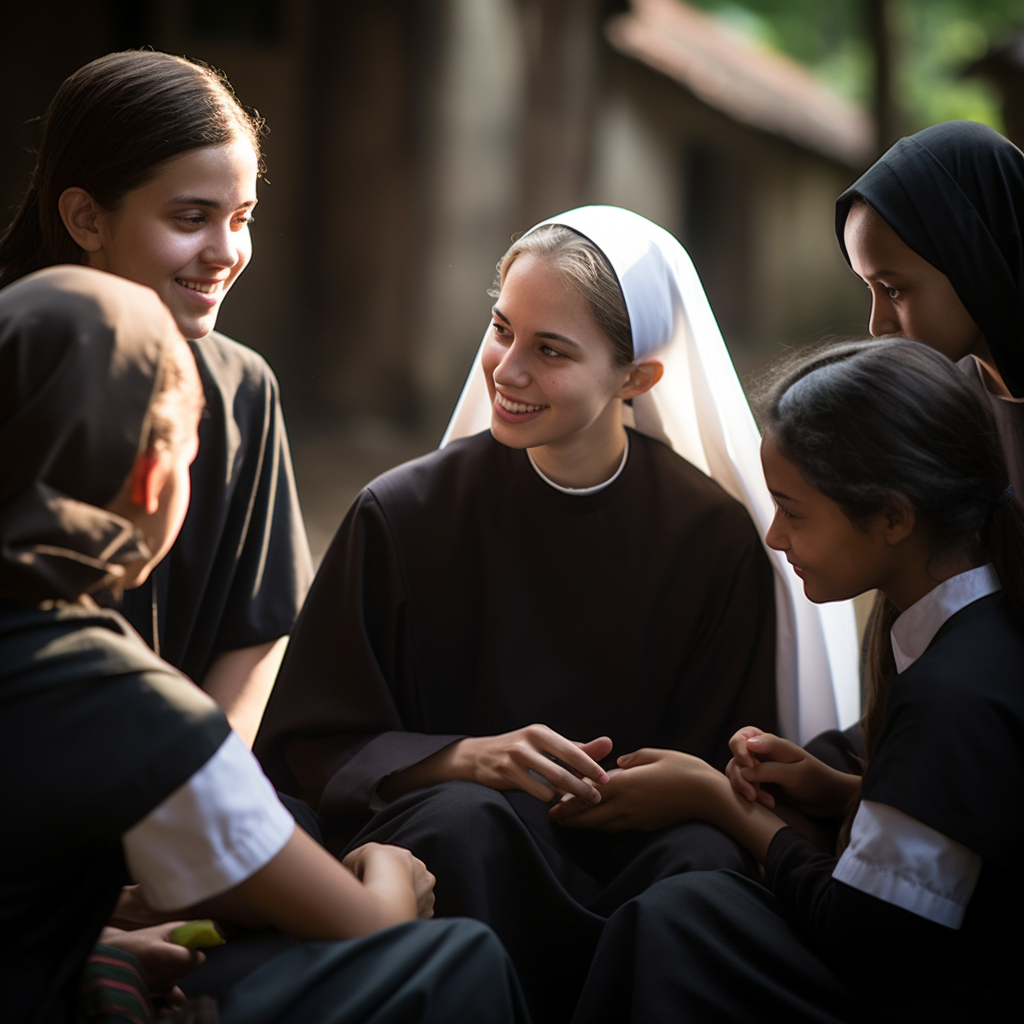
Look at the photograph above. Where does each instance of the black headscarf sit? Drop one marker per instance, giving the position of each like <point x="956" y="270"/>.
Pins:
<point x="954" y="193"/>
<point x="80" y="359"/>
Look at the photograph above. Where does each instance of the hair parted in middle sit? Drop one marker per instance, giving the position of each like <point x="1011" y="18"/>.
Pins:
<point x="587" y="269"/>
<point x="107" y="129"/>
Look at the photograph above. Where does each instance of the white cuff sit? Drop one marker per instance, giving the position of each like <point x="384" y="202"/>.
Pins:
<point x="216" y="830"/>
<point x="899" y="860"/>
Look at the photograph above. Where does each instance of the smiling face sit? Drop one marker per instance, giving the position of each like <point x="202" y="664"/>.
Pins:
<point x="835" y="558"/>
<point x="551" y="375"/>
<point x="185" y="232"/>
<point x="909" y="297"/>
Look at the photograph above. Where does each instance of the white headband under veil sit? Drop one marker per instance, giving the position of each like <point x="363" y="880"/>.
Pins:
<point x="699" y="409"/>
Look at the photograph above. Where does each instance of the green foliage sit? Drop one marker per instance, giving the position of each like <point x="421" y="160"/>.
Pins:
<point x="933" y="41"/>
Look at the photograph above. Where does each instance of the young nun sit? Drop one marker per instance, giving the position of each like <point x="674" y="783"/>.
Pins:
<point x="116" y="762"/>
<point x="934" y="229"/>
<point x="494" y="619"/>
<point x="888" y="475"/>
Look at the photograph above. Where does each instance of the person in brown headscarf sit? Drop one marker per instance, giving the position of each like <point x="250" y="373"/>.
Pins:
<point x="117" y="766"/>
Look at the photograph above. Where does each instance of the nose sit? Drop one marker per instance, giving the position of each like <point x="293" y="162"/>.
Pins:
<point x="883" y="319"/>
<point x="511" y="371"/>
<point x="225" y="247"/>
<point x="776" y="537"/>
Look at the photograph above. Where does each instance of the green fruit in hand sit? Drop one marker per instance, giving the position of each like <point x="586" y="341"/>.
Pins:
<point x="197" y="934"/>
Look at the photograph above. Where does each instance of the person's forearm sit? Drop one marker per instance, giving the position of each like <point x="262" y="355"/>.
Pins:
<point x="450" y="764"/>
<point x="751" y="824"/>
<point x="240" y="682"/>
<point x="305" y="892"/>
<point x="852" y="931"/>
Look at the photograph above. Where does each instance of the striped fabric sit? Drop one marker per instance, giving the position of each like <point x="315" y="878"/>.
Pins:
<point x="112" y="990"/>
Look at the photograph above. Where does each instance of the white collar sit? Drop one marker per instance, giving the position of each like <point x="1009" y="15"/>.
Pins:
<point x="582" y="491"/>
<point x="915" y="629"/>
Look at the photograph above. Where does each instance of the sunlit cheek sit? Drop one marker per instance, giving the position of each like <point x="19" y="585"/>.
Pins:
<point x="172" y="250"/>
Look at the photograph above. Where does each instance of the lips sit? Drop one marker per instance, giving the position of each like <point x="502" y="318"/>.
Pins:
<point x="199" y="296"/>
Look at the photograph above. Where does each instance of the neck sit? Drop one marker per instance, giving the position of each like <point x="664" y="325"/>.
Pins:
<point x="923" y="575"/>
<point x="579" y="461"/>
<point x="990" y="375"/>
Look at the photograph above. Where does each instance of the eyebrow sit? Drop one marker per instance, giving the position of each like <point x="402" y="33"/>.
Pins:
<point x="213" y="204"/>
<point x="553" y="335"/>
<point x="885" y="272"/>
<point x="779" y="496"/>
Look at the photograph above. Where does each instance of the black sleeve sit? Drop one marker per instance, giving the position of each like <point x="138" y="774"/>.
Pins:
<point x="241" y="566"/>
<point x="334" y="727"/>
<point x="273" y="567"/>
<point x="851" y="931"/>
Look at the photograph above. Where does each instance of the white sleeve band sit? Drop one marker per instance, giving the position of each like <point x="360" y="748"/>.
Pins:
<point x="897" y="859"/>
<point x="216" y="830"/>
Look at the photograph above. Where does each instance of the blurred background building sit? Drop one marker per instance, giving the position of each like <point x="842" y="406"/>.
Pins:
<point x="411" y="139"/>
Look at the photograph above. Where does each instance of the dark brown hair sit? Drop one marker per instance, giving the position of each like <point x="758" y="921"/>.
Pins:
<point x="107" y="130"/>
<point x="589" y="272"/>
<point x="870" y="423"/>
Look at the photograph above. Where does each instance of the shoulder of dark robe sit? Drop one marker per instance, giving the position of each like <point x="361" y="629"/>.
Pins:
<point x="238" y="573"/>
<point x="460" y="482"/>
<point x="950" y="752"/>
<point x="396" y="632"/>
<point x="96" y="732"/>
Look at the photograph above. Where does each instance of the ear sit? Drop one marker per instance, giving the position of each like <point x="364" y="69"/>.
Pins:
<point x="149" y="474"/>
<point x="642" y="377"/>
<point x="897" y="520"/>
<point x="81" y="215"/>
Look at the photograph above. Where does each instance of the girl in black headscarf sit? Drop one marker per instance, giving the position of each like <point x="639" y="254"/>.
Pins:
<point x="934" y="229"/>
<point x="113" y="761"/>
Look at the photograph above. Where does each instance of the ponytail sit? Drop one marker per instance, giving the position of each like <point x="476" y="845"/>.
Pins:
<point x="22" y="246"/>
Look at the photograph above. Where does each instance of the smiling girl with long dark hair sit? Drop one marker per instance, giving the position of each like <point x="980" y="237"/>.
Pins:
<point x="146" y="168"/>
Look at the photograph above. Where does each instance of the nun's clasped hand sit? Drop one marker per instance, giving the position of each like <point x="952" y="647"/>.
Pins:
<point x="513" y="760"/>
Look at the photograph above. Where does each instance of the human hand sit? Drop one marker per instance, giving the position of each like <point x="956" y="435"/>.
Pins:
<point x="164" y="963"/>
<point x="651" y="789"/>
<point x="506" y="762"/>
<point x="376" y="864"/>
<point x="742" y="758"/>
<point x="811" y="785"/>
<point x="132" y="912"/>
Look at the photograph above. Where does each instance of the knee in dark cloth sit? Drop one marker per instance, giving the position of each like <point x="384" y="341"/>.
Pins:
<point x="438" y="823"/>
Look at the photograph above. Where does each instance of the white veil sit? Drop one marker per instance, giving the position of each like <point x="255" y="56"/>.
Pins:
<point x="699" y="409"/>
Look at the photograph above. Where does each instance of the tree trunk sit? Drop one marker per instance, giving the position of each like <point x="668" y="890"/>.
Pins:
<point x="881" y="20"/>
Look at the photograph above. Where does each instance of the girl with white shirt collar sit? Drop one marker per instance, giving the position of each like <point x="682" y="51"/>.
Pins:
<point x="887" y="474"/>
